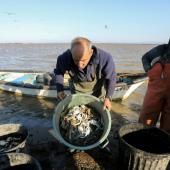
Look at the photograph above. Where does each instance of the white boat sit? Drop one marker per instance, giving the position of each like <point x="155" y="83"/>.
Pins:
<point x="24" y="83"/>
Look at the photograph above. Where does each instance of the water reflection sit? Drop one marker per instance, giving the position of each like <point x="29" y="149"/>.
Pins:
<point x="44" y="108"/>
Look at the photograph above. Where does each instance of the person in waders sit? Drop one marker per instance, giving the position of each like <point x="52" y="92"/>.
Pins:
<point x="91" y="70"/>
<point x="156" y="103"/>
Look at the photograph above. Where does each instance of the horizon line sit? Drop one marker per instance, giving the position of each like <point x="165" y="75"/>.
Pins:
<point x="66" y="42"/>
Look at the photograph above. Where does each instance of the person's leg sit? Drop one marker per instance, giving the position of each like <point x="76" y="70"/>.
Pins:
<point x="152" y="106"/>
<point x="165" y="116"/>
<point x="101" y="89"/>
<point x="153" y="101"/>
<point x="100" y="93"/>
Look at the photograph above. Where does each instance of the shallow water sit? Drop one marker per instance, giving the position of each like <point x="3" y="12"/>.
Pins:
<point x="42" y="57"/>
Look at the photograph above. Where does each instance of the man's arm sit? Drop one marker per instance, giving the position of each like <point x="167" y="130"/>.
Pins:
<point x="110" y="76"/>
<point x="59" y="74"/>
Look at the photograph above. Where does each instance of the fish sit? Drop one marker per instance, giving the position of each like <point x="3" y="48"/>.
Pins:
<point x="81" y="125"/>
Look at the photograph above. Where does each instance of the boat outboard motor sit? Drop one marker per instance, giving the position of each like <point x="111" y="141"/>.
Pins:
<point x="47" y="79"/>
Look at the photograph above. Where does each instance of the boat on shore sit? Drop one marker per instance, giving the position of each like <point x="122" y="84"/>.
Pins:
<point x="25" y="83"/>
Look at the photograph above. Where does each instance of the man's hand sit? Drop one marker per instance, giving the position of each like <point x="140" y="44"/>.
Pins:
<point x="107" y="104"/>
<point x="61" y="95"/>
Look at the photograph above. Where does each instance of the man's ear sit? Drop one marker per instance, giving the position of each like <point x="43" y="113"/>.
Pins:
<point x="91" y="51"/>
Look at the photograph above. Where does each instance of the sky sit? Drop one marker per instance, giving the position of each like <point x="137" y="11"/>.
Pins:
<point x="109" y="21"/>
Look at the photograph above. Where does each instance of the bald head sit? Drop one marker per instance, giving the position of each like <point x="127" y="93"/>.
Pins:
<point x="81" y="40"/>
<point x="81" y="50"/>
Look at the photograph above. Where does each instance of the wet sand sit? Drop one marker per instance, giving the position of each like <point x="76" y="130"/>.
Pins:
<point x="36" y="115"/>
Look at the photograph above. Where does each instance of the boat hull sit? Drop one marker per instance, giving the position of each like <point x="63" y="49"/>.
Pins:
<point x="122" y="90"/>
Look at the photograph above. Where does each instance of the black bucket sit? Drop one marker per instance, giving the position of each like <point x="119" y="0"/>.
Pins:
<point x="143" y="148"/>
<point x="18" y="161"/>
<point x="12" y="138"/>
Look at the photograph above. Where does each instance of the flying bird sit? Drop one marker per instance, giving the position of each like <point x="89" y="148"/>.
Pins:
<point x="106" y="27"/>
<point x="10" y="13"/>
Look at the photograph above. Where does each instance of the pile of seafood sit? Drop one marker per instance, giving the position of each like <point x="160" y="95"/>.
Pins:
<point x="81" y="125"/>
<point x="9" y="142"/>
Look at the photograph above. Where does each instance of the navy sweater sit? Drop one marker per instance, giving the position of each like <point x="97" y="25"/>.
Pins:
<point x="102" y="59"/>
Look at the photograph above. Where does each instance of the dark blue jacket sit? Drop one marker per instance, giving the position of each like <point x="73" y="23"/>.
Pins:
<point x="102" y="59"/>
